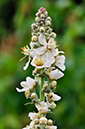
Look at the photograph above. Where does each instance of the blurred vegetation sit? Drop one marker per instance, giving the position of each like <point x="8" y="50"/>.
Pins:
<point x="16" y="17"/>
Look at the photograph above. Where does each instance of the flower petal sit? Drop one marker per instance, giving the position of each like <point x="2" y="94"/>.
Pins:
<point x="56" y="97"/>
<point x="42" y="40"/>
<point x="61" y="66"/>
<point x="21" y="90"/>
<point x="40" y="50"/>
<point x="60" y="62"/>
<point x="55" y="74"/>
<point x="24" y="84"/>
<point x="27" y="64"/>
<point x="30" y="82"/>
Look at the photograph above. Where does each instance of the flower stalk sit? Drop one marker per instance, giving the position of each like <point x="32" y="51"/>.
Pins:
<point x="41" y="92"/>
<point x="48" y="61"/>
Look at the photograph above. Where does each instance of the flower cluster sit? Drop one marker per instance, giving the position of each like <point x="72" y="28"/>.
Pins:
<point x="48" y="61"/>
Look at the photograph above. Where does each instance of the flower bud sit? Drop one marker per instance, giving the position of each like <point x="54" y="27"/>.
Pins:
<point x="34" y="38"/>
<point x="53" y="35"/>
<point x="53" y="105"/>
<point x="42" y="29"/>
<point x="33" y="95"/>
<point x="49" y="95"/>
<point x="43" y="120"/>
<point x="37" y="19"/>
<point x="42" y="15"/>
<point x="50" y="30"/>
<point x="49" y="18"/>
<point x="48" y="23"/>
<point x="36" y="121"/>
<point x="34" y="26"/>
<point x="27" y="94"/>
<point x="53" y="84"/>
<point x="46" y="13"/>
<point x="49" y="122"/>
<point x="45" y="86"/>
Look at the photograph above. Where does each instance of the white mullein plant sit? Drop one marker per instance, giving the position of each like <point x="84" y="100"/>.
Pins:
<point x="48" y="61"/>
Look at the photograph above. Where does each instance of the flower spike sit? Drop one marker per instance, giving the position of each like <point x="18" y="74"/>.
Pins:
<point x="48" y="64"/>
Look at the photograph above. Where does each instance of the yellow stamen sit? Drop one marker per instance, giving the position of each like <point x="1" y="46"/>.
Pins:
<point x="39" y="62"/>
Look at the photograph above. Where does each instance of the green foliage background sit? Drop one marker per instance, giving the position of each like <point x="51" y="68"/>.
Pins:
<point x="68" y="21"/>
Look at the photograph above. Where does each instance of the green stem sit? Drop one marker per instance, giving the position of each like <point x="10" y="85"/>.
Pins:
<point x="41" y="87"/>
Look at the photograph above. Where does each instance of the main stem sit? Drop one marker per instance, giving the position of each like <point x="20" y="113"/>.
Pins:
<point x="41" y="92"/>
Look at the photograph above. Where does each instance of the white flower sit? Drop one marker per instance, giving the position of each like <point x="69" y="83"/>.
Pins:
<point x="59" y="62"/>
<point x="42" y="107"/>
<point x="29" y="84"/>
<point x="47" y="47"/>
<point x="42" y="61"/>
<point x="33" y="115"/>
<point x="53" y="96"/>
<point x="55" y="74"/>
<point x="51" y="127"/>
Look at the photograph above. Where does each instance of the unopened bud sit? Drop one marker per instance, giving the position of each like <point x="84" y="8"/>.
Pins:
<point x="53" y="105"/>
<point x="49" y="95"/>
<point x="34" y="38"/>
<point x="46" y="13"/>
<point x="49" y="122"/>
<point x="33" y="95"/>
<point x="37" y="19"/>
<point x="48" y="23"/>
<point x="49" y="18"/>
<point x="53" y="35"/>
<point x="42" y="15"/>
<point x="34" y="26"/>
<point x="53" y="84"/>
<point x="36" y="121"/>
<point x="43" y="120"/>
<point x="38" y="115"/>
<point x="42" y="29"/>
<point x="27" y="94"/>
<point x="45" y="86"/>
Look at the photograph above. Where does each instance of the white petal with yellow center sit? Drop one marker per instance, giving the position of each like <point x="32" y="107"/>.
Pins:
<point x="43" y="61"/>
